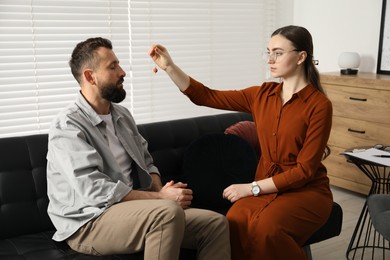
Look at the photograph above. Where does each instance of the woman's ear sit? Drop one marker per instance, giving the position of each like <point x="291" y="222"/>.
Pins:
<point x="302" y="57"/>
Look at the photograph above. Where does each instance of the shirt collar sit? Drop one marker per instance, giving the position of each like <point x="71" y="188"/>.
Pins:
<point x="83" y="104"/>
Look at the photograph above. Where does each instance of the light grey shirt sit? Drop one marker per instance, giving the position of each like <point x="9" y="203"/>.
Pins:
<point x="83" y="177"/>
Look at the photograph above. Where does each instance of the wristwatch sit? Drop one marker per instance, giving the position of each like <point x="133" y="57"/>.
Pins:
<point x="255" y="189"/>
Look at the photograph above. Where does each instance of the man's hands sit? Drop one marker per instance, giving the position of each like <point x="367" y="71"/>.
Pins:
<point x="171" y="191"/>
<point x="177" y="192"/>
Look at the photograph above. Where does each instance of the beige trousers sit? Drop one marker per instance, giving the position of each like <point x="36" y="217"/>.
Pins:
<point x="159" y="227"/>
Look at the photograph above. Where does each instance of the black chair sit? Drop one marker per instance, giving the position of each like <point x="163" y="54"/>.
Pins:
<point x="379" y="209"/>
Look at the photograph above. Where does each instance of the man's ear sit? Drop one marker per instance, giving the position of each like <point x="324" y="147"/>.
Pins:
<point x="88" y="76"/>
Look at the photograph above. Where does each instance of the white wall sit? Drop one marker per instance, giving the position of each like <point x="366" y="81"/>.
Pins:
<point x="285" y="13"/>
<point x="341" y="25"/>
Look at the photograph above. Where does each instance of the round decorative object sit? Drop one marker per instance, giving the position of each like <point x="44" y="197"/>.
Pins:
<point x="349" y="63"/>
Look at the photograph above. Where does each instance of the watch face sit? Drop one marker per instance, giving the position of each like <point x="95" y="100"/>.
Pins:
<point x="255" y="190"/>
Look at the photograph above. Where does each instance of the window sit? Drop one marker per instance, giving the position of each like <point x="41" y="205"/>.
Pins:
<point x="217" y="42"/>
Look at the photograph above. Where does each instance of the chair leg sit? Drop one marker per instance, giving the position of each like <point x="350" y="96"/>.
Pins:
<point x="308" y="252"/>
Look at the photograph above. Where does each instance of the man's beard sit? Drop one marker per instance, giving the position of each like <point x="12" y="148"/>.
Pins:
<point x="113" y="93"/>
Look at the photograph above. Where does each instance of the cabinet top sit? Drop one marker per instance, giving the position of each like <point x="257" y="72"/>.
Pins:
<point x="363" y="80"/>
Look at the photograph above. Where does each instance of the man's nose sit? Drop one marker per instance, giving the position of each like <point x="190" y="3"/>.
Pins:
<point x="123" y="73"/>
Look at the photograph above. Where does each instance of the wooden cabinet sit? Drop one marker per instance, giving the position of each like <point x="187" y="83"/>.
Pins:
<point x="361" y="117"/>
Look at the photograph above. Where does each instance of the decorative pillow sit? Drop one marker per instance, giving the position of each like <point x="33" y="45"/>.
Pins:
<point x="212" y="163"/>
<point x="247" y="131"/>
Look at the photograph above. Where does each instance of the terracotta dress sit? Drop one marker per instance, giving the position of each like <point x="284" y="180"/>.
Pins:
<point x="292" y="137"/>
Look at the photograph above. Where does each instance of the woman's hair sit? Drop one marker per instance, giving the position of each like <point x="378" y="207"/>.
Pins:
<point x="301" y="39"/>
<point x="84" y="55"/>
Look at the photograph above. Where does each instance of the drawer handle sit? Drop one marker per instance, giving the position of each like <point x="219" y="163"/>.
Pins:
<point x="356" y="131"/>
<point x="358" y="99"/>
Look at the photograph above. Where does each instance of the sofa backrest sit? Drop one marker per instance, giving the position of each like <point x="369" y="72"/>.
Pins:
<point x="168" y="140"/>
<point x="23" y="198"/>
<point x="23" y="186"/>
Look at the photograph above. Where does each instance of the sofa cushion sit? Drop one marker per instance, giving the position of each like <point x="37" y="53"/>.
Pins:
<point x="212" y="163"/>
<point x="247" y="131"/>
<point x="40" y="246"/>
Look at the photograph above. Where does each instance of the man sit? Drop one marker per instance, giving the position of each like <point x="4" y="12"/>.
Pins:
<point x="100" y="173"/>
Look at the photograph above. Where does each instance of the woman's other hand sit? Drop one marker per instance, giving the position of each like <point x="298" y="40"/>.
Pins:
<point x="237" y="191"/>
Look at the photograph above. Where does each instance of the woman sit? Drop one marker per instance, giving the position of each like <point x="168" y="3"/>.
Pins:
<point x="290" y="199"/>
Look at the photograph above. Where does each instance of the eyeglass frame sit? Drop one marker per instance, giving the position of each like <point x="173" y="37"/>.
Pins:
<point x="275" y="55"/>
<point x="267" y="55"/>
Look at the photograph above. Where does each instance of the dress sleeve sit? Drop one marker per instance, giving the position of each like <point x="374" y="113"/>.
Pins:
<point x="234" y="100"/>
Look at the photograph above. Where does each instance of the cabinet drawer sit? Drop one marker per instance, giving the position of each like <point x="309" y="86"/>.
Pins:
<point x="347" y="133"/>
<point x="358" y="103"/>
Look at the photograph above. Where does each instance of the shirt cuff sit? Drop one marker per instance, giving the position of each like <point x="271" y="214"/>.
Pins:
<point x="119" y="192"/>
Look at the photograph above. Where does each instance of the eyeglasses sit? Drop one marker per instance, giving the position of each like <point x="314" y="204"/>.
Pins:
<point x="275" y="56"/>
<point x="382" y="147"/>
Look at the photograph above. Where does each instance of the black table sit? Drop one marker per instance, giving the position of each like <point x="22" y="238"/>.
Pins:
<point x="366" y="242"/>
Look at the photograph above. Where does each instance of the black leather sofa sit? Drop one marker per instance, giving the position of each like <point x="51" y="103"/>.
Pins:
<point x="25" y="228"/>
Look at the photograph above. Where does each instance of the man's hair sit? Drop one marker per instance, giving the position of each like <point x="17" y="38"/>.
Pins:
<point x="84" y="55"/>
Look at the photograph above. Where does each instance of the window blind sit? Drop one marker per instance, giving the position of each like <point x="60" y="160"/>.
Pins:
<point x="36" y="41"/>
<point x="218" y="42"/>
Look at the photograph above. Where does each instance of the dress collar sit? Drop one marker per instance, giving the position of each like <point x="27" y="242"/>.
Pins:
<point x="303" y="94"/>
